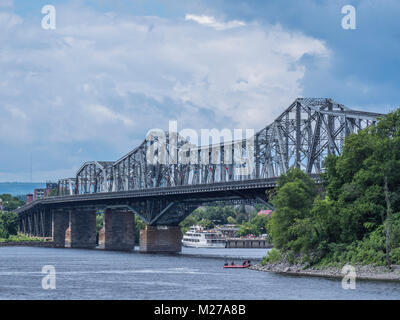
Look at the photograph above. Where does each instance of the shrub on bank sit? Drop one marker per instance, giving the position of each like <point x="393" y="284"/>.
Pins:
<point x="20" y="237"/>
<point x="273" y="256"/>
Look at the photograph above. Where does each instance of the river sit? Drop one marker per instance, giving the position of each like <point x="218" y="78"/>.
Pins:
<point x="193" y="274"/>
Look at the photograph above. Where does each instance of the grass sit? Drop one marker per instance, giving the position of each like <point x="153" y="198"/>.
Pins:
<point x="21" y="237"/>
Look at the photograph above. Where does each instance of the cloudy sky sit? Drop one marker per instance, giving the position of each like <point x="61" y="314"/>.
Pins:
<point x="112" y="70"/>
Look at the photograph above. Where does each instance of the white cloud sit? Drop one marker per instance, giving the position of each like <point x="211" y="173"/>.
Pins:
<point x="103" y="114"/>
<point x="212" y="22"/>
<point x="106" y="79"/>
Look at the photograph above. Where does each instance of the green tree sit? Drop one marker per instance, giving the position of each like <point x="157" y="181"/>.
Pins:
<point x="139" y="225"/>
<point x="207" y="224"/>
<point x="293" y="203"/>
<point x="231" y="220"/>
<point x="11" y="203"/>
<point x="247" y="228"/>
<point x="260" y="222"/>
<point x="9" y="223"/>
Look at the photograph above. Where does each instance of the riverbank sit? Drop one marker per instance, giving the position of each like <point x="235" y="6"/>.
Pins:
<point x="367" y="272"/>
<point x="46" y="244"/>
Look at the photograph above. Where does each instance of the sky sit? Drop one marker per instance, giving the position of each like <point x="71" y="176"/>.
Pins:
<point x="110" y="71"/>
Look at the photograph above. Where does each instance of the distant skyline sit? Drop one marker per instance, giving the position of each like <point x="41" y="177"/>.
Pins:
<point x="112" y="70"/>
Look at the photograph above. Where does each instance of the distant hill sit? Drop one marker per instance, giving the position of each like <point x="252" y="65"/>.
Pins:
<point x="20" y="188"/>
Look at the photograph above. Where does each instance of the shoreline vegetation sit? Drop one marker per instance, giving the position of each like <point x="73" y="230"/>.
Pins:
<point x="19" y="238"/>
<point x="353" y="218"/>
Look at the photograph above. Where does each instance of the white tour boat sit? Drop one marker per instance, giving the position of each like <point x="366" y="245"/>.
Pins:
<point x="197" y="237"/>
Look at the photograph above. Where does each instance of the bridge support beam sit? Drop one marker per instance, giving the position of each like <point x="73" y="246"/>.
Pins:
<point x="118" y="232"/>
<point x="81" y="232"/>
<point x="60" y="223"/>
<point x="161" y="239"/>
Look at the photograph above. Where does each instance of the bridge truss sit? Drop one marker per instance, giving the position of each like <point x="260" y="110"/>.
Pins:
<point x="302" y="136"/>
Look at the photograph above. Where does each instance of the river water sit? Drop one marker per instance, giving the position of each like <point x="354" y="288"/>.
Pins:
<point x="193" y="274"/>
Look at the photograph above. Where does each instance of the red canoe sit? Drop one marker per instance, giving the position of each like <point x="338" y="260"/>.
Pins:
<point x="237" y="266"/>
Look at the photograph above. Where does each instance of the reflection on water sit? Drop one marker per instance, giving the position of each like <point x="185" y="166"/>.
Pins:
<point x="193" y="274"/>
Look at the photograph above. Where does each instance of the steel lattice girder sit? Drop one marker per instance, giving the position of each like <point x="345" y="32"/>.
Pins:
<point x="302" y="136"/>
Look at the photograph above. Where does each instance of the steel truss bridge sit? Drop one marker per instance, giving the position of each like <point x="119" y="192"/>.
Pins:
<point x="167" y="187"/>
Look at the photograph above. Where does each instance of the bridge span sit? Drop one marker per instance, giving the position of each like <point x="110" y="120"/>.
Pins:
<point x="162" y="188"/>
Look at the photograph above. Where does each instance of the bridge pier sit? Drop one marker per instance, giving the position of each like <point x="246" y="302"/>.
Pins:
<point x="60" y="224"/>
<point x="118" y="232"/>
<point x="161" y="239"/>
<point x="81" y="232"/>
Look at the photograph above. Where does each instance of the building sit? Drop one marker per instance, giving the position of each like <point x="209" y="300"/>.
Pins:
<point x="265" y="213"/>
<point x="1" y="205"/>
<point x="29" y="198"/>
<point x="39" y="193"/>
<point x="44" y="192"/>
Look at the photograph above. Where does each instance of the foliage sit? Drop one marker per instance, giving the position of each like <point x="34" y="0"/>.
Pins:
<point x="8" y="224"/>
<point x="139" y="225"/>
<point x="293" y="202"/>
<point x="99" y="222"/>
<point x="207" y="224"/>
<point x="20" y="237"/>
<point x="247" y="228"/>
<point x="53" y="192"/>
<point x="11" y="203"/>
<point x="273" y="256"/>
<point x="260" y="222"/>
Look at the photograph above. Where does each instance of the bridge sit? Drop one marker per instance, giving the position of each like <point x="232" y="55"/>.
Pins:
<point x="167" y="176"/>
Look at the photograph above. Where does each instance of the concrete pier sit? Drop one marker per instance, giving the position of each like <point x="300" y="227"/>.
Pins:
<point x="118" y="232"/>
<point x="60" y="224"/>
<point x="161" y="239"/>
<point x="81" y="232"/>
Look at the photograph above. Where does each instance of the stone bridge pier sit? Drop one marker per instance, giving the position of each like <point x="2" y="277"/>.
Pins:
<point x="161" y="239"/>
<point x="74" y="228"/>
<point x="118" y="232"/>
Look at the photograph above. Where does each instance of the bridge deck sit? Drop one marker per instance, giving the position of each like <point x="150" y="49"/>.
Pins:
<point x="201" y="192"/>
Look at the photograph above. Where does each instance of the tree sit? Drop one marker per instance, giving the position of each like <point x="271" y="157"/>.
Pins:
<point x="388" y="223"/>
<point x="139" y="225"/>
<point x="99" y="222"/>
<point x="260" y="222"/>
<point x="247" y="228"/>
<point x="8" y="224"/>
<point x="293" y="202"/>
<point x="11" y="203"/>
<point x="189" y="221"/>
<point x="231" y="220"/>
<point x="207" y="224"/>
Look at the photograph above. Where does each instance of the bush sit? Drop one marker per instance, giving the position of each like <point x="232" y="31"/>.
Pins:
<point x="395" y="255"/>
<point x="3" y="233"/>
<point x="273" y="256"/>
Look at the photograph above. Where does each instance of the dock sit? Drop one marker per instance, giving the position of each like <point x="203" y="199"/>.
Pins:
<point x="247" y="243"/>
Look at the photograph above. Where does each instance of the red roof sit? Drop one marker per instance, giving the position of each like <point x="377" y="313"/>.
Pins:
<point x="265" y="212"/>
